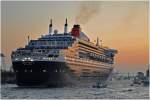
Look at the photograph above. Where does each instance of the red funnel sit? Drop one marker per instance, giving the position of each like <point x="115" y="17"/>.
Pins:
<point x="76" y="30"/>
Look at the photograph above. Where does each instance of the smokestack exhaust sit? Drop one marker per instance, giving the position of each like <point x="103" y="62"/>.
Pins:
<point x="87" y="10"/>
<point x="50" y="27"/>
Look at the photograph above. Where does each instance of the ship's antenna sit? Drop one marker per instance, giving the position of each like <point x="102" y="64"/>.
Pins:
<point x="28" y="39"/>
<point x="50" y="27"/>
<point x="97" y="42"/>
<point x="65" y="26"/>
<point x="101" y="43"/>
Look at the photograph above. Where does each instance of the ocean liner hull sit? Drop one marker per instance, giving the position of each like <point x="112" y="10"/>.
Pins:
<point x="40" y="73"/>
<point x="37" y="73"/>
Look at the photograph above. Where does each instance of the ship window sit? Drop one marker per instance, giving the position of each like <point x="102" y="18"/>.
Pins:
<point x="73" y="70"/>
<point x="85" y="73"/>
<point x="17" y="55"/>
<point x="32" y="43"/>
<point x="25" y="70"/>
<point x="85" y="69"/>
<point x="53" y="43"/>
<point x="44" y="70"/>
<point x="63" y="70"/>
<point x="96" y="72"/>
<point x="43" y="43"/>
<point x="49" y="42"/>
<point x="58" y="42"/>
<point x="61" y="42"/>
<point x="69" y="43"/>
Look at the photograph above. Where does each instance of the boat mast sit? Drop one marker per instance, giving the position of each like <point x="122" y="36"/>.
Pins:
<point x="50" y="27"/>
<point x="28" y="39"/>
<point x="65" y="26"/>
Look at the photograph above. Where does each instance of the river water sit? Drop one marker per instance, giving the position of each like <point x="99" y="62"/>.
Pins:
<point x="117" y="89"/>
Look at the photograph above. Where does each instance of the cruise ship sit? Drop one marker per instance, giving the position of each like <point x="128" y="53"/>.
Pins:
<point x="58" y="59"/>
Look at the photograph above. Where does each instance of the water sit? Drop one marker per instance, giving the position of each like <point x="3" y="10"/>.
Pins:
<point x="114" y="90"/>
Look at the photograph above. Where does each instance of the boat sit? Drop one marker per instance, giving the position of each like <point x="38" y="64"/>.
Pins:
<point x="60" y="59"/>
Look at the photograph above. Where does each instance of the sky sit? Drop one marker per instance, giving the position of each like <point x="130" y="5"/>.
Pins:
<point x="122" y="25"/>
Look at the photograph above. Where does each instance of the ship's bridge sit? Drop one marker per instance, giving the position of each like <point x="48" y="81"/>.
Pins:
<point x="56" y="41"/>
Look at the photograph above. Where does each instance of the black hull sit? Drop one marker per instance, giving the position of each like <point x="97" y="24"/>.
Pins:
<point x="41" y="73"/>
<point x="46" y="73"/>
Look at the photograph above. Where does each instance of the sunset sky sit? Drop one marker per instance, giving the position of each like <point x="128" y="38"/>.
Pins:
<point x="120" y="25"/>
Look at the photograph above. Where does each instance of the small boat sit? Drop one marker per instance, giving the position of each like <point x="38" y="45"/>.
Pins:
<point x="100" y="85"/>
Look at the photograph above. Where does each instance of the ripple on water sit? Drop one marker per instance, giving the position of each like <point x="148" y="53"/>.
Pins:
<point x="10" y="91"/>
